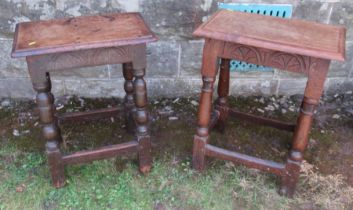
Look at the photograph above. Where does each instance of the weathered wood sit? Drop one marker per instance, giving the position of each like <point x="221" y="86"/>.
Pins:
<point x="272" y="58"/>
<point x="215" y="115"/>
<point x="286" y="35"/>
<point x="290" y="45"/>
<point x="140" y="99"/>
<point x="199" y="152"/>
<point x="252" y="162"/>
<point x="205" y="107"/>
<point x="291" y="173"/>
<point x="56" y="165"/>
<point x="58" y="45"/>
<point x="101" y="153"/>
<point x="129" y="105"/>
<point x="209" y="71"/>
<point x="223" y="91"/>
<point x="262" y="120"/>
<point x="142" y="117"/>
<point x="144" y="153"/>
<point x="80" y="58"/>
<point x="50" y="130"/>
<point x="79" y="33"/>
<point x="89" y="115"/>
<point x="211" y="50"/>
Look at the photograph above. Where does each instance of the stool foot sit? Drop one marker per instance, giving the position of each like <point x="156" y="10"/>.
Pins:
<point x="198" y="158"/>
<point x="291" y="174"/>
<point x="56" y="166"/>
<point x="144" y="154"/>
<point x="290" y="179"/>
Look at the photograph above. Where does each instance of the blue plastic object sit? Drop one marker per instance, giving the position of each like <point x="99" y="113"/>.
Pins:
<point x="278" y="10"/>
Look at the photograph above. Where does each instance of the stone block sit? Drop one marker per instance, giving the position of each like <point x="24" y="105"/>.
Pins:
<point x="58" y="87"/>
<point x="343" y="69"/>
<point x="334" y="86"/>
<point x="22" y="88"/>
<point x="12" y="12"/>
<point x="342" y="15"/>
<point x="252" y="74"/>
<point x="177" y="19"/>
<point x="191" y="57"/>
<point x="317" y="11"/>
<point x="162" y="59"/>
<point x="291" y="86"/>
<point x="16" y="88"/>
<point x="281" y="74"/>
<point x="115" y="71"/>
<point x="10" y="67"/>
<point x="246" y="87"/>
<point x="126" y="6"/>
<point x="95" y="88"/>
<point x="74" y="8"/>
<point x="86" y="72"/>
<point x="173" y="87"/>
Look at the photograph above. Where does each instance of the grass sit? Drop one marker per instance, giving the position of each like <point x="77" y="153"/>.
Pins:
<point x="25" y="185"/>
<point x="172" y="184"/>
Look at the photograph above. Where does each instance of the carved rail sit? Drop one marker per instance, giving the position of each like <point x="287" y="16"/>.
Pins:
<point x="276" y="59"/>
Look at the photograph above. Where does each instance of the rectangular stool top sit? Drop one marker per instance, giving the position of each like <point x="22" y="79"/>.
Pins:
<point x="292" y="36"/>
<point x="70" y="34"/>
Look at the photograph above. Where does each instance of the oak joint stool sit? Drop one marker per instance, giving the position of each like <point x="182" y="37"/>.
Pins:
<point x="62" y="44"/>
<point x="291" y="45"/>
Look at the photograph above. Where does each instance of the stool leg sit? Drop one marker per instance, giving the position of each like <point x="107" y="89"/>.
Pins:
<point x="204" y="116"/>
<point x="311" y="99"/>
<point x="141" y="119"/>
<point x="51" y="131"/>
<point x="223" y="91"/>
<point x="129" y="97"/>
<point x="211" y="50"/>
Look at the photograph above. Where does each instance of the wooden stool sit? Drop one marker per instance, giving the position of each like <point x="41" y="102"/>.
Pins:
<point x="61" y="44"/>
<point x="290" y="45"/>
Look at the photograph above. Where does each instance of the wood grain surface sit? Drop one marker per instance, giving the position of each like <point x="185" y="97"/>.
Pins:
<point x="286" y="35"/>
<point x="87" y="32"/>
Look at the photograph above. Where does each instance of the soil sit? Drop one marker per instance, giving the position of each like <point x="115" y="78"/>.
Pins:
<point x="173" y="124"/>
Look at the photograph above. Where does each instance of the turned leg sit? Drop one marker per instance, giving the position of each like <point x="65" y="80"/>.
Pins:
<point x="204" y="116"/>
<point x="311" y="99"/>
<point x="51" y="131"/>
<point x="141" y="114"/>
<point x="211" y="50"/>
<point x="141" y="118"/>
<point x="223" y="91"/>
<point x="129" y="97"/>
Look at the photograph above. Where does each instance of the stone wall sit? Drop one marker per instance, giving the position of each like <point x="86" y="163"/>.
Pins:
<point x="174" y="61"/>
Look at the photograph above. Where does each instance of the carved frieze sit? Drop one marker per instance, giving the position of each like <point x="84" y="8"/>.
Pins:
<point x="277" y="59"/>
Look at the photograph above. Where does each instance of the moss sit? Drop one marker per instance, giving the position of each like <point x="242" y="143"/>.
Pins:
<point x="116" y="183"/>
